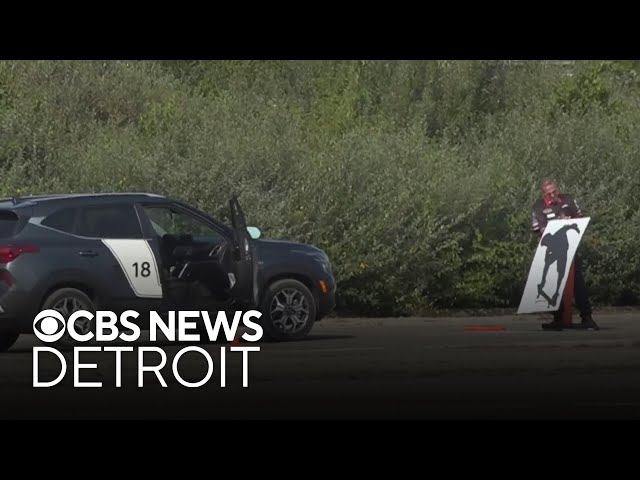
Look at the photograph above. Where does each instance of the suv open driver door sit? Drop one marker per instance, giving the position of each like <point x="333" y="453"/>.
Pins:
<point x="245" y="289"/>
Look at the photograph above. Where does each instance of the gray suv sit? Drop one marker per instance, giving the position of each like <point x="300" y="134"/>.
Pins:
<point x="141" y="251"/>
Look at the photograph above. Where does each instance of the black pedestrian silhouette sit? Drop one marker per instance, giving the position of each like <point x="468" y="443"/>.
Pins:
<point x="557" y="248"/>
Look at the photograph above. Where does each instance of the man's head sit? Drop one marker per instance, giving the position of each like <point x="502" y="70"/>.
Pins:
<point x="549" y="189"/>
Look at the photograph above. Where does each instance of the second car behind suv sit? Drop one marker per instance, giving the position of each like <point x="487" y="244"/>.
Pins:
<point x="142" y="251"/>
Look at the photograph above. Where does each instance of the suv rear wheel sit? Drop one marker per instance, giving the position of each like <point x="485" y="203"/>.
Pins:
<point x="288" y="310"/>
<point x="67" y="301"/>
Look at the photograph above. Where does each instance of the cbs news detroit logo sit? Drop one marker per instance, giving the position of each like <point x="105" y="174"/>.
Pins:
<point x="50" y="326"/>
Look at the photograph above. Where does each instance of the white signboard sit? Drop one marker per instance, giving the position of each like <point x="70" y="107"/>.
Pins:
<point x="551" y="264"/>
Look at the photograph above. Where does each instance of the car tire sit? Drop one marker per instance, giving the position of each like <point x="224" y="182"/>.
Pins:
<point x="288" y="310"/>
<point x="76" y="300"/>
<point x="7" y="339"/>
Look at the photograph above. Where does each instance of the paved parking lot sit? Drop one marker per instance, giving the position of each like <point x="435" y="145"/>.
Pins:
<point x="356" y="368"/>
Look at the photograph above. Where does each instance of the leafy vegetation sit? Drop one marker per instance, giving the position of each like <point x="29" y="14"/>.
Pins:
<point x="417" y="177"/>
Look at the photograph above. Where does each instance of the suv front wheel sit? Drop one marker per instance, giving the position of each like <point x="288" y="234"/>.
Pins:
<point x="288" y="310"/>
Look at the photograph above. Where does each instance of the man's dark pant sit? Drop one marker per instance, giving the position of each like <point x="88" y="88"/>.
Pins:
<point x="581" y="295"/>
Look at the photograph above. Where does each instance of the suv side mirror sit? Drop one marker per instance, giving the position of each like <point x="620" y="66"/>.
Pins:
<point x="254" y="232"/>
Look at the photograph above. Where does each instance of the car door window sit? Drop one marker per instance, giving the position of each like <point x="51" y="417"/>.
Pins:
<point x="112" y="221"/>
<point x="180" y="225"/>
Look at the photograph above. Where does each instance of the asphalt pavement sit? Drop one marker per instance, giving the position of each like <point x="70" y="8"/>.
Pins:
<point x="503" y="367"/>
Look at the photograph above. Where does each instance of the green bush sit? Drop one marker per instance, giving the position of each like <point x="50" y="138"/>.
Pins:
<point x="416" y="177"/>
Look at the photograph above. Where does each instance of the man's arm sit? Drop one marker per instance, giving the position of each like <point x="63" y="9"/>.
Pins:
<point x="574" y="209"/>
<point x="537" y="224"/>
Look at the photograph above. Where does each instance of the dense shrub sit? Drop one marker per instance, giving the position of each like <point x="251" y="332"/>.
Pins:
<point x="416" y="177"/>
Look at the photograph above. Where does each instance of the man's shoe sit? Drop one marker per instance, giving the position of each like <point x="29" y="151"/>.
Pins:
<point x="554" y="325"/>
<point x="589" y="323"/>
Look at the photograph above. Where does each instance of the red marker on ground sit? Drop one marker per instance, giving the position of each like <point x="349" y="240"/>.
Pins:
<point x="484" y="328"/>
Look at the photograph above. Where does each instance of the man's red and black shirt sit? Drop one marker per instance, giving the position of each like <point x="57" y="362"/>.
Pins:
<point x="544" y="210"/>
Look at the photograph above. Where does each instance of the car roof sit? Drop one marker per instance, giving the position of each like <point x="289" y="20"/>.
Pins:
<point x="21" y="205"/>
<point x="73" y="198"/>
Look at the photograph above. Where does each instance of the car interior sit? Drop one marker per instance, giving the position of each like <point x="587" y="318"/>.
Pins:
<point x="194" y="265"/>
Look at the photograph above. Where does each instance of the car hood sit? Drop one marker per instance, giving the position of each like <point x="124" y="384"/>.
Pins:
<point x="284" y="247"/>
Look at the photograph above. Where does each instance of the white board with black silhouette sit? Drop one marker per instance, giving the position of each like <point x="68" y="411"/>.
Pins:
<point x="551" y="263"/>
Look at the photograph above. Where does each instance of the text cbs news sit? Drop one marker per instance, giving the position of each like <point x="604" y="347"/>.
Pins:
<point x="50" y="326"/>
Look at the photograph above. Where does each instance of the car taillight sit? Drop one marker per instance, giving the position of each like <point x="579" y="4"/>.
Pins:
<point x="9" y="253"/>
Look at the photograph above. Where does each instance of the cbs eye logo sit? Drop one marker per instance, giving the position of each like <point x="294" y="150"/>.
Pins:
<point x="49" y="326"/>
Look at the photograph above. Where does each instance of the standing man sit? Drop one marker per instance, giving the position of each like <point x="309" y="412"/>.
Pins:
<point x="554" y="205"/>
